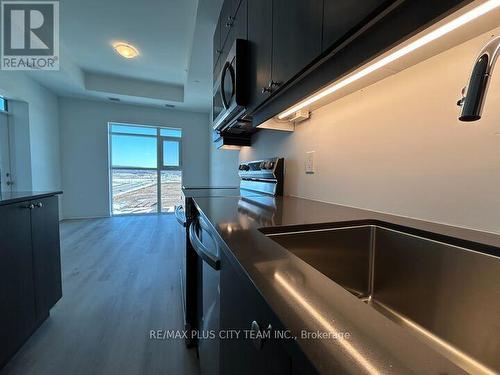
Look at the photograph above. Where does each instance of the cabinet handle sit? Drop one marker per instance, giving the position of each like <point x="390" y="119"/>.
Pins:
<point x="39" y="205"/>
<point x="230" y="21"/>
<point x="272" y="84"/>
<point x="258" y="341"/>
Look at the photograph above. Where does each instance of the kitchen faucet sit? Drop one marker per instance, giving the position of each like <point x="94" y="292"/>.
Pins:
<point x="472" y="102"/>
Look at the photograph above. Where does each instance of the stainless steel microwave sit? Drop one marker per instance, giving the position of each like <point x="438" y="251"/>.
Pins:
<point x="231" y="90"/>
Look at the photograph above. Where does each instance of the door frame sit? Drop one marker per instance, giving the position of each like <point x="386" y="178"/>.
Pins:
<point x="6" y="180"/>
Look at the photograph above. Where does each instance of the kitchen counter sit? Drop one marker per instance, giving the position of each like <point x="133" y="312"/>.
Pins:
<point x="21" y="196"/>
<point x="306" y="300"/>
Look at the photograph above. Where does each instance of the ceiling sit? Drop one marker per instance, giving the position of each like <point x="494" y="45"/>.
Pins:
<point x="174" y="38"/>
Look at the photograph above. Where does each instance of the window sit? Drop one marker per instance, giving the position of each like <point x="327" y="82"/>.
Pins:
<point x="171" y="154"/>
<point x="146" y="175"/>
<point x="174" y="133"/>
<point x="133" y="151"/>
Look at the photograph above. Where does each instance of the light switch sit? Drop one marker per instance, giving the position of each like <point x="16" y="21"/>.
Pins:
<point x="309" y="162"/>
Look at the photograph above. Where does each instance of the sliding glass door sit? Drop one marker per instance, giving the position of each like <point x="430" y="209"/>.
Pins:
<point x="145" y="169"/>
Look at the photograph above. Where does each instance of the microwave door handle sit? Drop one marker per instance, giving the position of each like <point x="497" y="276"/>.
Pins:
<point x="227" y="68"/>
<point x="212" y="260"/>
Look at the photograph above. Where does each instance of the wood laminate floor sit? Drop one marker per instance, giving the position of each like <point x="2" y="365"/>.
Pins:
<point x="120" y="280"/>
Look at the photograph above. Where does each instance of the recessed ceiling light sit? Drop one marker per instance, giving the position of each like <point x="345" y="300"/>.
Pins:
<point x="126" y="50"/>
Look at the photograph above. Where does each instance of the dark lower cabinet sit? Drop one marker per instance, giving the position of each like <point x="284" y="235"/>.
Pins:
<point x="17" y="290"/>
<point x="297" y="30"/>
<point x="30" y="270"/>
<point x="46" y="255"/>
<point x="243" y="309"/>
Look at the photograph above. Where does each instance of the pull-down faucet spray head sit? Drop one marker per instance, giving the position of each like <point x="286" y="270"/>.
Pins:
<point x="474" y="94"/>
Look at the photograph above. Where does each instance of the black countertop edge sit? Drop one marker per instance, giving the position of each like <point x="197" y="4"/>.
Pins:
<point x="23" y="196"/>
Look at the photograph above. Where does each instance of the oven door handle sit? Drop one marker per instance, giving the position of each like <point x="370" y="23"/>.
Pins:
<point x="180" y="215"/>
<point x="211" y="259"/>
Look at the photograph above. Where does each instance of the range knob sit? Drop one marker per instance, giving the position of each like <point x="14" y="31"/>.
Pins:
<point x="244" y="167"/>
<point x="270" y="165"/>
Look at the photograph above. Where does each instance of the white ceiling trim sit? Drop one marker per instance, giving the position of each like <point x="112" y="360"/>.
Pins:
<point x="133" y="87"/>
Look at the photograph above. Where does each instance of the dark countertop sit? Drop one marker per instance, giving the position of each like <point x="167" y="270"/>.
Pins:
<point x="22" y="196"/>
<point x="305" y="299"/>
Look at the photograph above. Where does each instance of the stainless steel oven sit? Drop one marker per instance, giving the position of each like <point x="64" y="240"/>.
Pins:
<point x="260" y="182"/>
<point x="231" y="90"/>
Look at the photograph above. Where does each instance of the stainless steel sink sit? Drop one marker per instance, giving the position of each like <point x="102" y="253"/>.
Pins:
<point x="447" y="295"/>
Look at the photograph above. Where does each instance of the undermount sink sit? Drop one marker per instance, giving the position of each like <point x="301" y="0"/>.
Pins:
<point x="447" y="295"/>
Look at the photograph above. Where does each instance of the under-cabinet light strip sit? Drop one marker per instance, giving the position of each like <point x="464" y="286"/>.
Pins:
<point x="433" y="35"/>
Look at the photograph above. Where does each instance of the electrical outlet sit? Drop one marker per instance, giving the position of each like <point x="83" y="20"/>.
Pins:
<point x="309" y="162"/>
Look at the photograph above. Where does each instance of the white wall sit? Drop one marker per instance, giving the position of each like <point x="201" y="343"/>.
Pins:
<point x="36" y="151"/>
<point x="398" y="147"/>
<point x="223" y="166"/>
<point x="84" y="149"/>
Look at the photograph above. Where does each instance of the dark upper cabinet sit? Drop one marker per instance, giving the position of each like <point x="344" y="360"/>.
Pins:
<point x="298" y="46"/>
<point x="297" y="30"/>
<point x="227" y="15"/>
<point x="342" y="18"/>
<point x="260" y="28"/>
<point x="243" y="308"/>
<point x="46" y="254"/>
<point x="17" y="290"/>
<point x="379" y="31"/>
<point x="217" y="49"/>
<point x="232" y="25"/>
<point x="237" y="29"/>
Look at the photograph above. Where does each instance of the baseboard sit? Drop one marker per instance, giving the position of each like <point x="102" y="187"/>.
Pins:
<point x="84" y="217"/>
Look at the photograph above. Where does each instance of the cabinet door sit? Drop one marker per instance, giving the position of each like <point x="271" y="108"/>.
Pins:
<point x="240" y="305"/>
<point x="17" y="294"/>
<point x="297" y="30"/>
<point x="260" y="28"/>
<point x="344" y="17"/>
<point x="237" y="30"/>
<point x="217" y="51"/>
<point x="226" y="18"/>
<point x="46" y="254"/>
